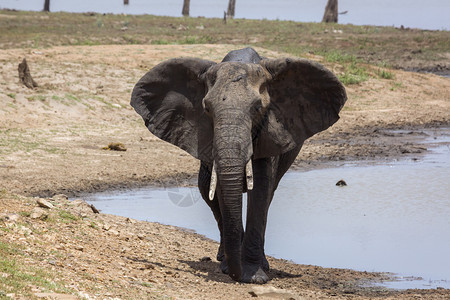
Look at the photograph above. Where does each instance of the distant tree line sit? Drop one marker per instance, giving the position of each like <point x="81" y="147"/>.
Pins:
<point x="330" y="15"/>
<point x="229" y="13"/>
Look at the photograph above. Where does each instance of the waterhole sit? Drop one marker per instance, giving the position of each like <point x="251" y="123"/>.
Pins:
<point x="393" y="217"/>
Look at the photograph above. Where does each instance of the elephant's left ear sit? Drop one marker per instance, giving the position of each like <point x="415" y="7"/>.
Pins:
<point x="305" y="98"/>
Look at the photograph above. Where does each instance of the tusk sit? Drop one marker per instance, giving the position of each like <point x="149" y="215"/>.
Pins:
<point x="249" y="175"/>
<point x="213" y="183"/>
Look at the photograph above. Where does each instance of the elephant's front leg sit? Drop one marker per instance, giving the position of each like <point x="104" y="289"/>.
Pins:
<point x="204" y="179"/>
<point x="254" y="262"/>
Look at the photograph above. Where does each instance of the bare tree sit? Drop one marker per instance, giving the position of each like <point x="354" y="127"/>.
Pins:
<point x="47" y="5"/>
<point x="185" y="11"/>
<point x="125" y="2"/>
<point x="231" y="8"/>
<point x="331" y="12"/>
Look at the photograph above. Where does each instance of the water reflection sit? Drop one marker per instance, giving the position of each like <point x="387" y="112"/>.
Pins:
<point x="392" y="218"/>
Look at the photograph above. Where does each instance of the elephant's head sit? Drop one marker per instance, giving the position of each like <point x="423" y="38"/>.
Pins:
<point x="229" y="113"/>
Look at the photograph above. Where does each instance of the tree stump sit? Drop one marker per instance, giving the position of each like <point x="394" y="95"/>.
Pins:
<point x="231" y="8"/>
<point x="185" y="11"/>
<point x="25" y="75"/>
<point x="47" y="5"/>
<point x="331" y="12"/>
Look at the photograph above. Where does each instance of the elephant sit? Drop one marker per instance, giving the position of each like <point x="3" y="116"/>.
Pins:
<point x="246" y="119"/>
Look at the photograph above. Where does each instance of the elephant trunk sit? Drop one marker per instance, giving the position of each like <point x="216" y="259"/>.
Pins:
<point x="233" y="149"/>
<point x="231" y="183"/>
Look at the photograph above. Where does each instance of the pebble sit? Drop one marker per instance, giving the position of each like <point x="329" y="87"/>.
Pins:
<point x="38" y="213"/>
<point x="44" y="203"/>
<point x="10" y="217"/>
<point x="341" y="183"/>
<point x="60" y="198"/>
<point x="272" y="293"/>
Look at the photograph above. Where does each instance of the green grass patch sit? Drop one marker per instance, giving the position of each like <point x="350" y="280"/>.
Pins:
<point x="339" y="57"/>
<point x="353" y="74"/>
<point x="396" y="85"/>
<point x="37" y="97"/>
<point x="160" y="42"/>
<point x="197" y="40"/>
<point x="67" y="216"/>
<point x="385" y="74"/>
<point x="20" y="277"/>
<point x="15" y="140"/>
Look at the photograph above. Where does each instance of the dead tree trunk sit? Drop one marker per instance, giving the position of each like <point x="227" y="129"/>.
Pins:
<point x="25" y="75"/>
<point x="47" y="5"/>
<point x="231" y="8"/>
<point x="331" y="12"/>
<point x="185" y="11"/>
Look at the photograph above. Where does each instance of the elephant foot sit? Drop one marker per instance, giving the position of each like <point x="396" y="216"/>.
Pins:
<point x="254" y="274"/>
<point x="220" y="253"/>
<point x="224" y="266"/>
<point x="265" y="264"/>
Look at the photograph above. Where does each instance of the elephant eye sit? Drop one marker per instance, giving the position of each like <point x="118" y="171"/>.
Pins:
<point x="211" y="79"/>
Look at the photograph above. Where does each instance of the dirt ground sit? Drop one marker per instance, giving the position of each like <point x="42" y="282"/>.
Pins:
<point x="51" y="141"/>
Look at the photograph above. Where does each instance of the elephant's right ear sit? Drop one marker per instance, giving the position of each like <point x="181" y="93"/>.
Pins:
<point x="169" y="99"/>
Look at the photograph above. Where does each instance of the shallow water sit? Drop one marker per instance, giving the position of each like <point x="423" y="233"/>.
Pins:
<point x="430" y="14"/>
<point x="390" y="218"/>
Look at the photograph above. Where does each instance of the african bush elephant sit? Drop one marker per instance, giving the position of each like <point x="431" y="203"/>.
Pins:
<point x="245" y="119"/>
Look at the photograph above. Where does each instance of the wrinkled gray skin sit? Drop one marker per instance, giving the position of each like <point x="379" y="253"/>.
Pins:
<point x="245" y="107"/>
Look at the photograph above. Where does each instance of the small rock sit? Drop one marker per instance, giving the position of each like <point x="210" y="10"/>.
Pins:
<point x="149" y="266"/>
<point x="341" y="183"/>
<point x="39" y="213"/>
<point x="106" y="226"/>
<point x="79" y="248"/>
<point x="60" y="247"/>
<point x="60" y="198"/>
<point x="94" y="209"/>
<point x="182" y="27"/>
<point x="272" y="293"/>
<point x="10" y="217"/>
<point x="77" y="202"/>
<point x="113" y="232"/>
<point x="55" y="296"/>
<point x="205" y="258"/>
<point x="25" y="230"/>
<point x="132" y="221"/>
<point x="44" y="203"/>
